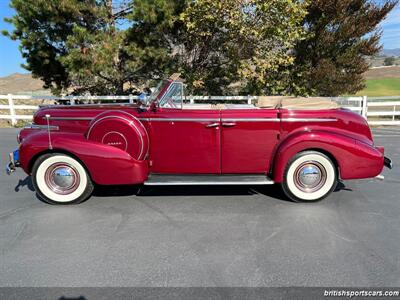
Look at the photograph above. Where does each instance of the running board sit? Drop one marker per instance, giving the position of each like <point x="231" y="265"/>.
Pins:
<point x="157" y="179"/>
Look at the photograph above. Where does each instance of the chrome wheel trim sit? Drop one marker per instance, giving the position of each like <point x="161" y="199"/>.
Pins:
<point x="62" y="178"/>
<point x="47" y="189"/>
<point x="324" y="187"/>
<point x="310" y="176"/>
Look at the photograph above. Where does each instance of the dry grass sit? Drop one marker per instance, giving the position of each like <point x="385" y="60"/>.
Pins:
<point x="386" y="72"/>
<point x="21" y="84"/>
<point x="20" y="123"/>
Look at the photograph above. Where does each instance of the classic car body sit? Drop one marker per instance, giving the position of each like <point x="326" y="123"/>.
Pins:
<point x="68" y="149"/>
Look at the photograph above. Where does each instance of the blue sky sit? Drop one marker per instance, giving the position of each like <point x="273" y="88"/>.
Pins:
<point x="10" y="57"/>
<point x="391" y="29"/>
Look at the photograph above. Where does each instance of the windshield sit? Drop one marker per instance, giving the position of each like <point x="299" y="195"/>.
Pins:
<point x="172" y="98"/>
<point x="156" y="92"/>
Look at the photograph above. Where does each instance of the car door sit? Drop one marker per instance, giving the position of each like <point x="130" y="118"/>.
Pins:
<point x="248" y="140"/>
<point x="184" y="141"/>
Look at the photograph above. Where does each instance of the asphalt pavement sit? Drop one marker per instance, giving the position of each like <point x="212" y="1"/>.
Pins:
<point x="202" y="236"/>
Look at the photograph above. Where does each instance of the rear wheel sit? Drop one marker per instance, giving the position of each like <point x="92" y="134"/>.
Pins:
<point x="309" y="176"/>
<point x="61" y="179"/>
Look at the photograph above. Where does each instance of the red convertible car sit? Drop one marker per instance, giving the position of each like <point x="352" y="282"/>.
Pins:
<point x="306" y="145"/>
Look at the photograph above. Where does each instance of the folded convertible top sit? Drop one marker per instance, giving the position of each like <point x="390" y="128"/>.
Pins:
<point x="295" y="102"/>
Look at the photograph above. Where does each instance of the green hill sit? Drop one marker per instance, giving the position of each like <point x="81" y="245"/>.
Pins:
<point x="384" y="81"/>
<point x="381" y="87"/>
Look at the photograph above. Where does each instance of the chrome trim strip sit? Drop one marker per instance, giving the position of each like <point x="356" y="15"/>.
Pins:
<point x="278" y="120"/>
<point x="169" y="179"/>
<point x="211" y="119"/>
<point x="181" y="120"/>
<point x="35" y="126"/>
<point x="251" y="120"/>
<point x="100" y="105"/>
<point x="309" y="120"/>
<point x="71" y="118"/>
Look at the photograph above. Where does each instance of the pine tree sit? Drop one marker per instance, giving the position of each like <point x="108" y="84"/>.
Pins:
<point x="95" y="46"/>
<point x="341" y="35"/>
<point x="43" y="27"/>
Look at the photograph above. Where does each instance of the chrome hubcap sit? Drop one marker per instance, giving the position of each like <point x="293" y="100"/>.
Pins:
<point x="62" y="178"/>
<point x="310" y="176"/>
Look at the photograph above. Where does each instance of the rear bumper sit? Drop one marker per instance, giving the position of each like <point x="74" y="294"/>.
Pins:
<point x="14" y="162"/>
<point x="388" y="163"/>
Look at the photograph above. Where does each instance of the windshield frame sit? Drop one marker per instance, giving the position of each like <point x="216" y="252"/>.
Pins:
<point x="158" y="93"/>
<point x="161" y="103"/>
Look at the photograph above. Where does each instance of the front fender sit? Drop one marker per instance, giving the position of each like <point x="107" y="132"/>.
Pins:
<point x="354" y="159"/>
<point x="106" y="165"/>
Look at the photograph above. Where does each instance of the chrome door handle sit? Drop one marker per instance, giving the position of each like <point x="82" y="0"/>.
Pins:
<point x="212" y="125"/>
<point x="229" y="124"/>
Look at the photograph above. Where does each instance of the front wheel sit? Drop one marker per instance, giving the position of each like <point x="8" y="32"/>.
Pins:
<point x="309" y="176"/>
<point x="61" y="179"/>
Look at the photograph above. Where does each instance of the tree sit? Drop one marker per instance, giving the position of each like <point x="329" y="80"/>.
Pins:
<point x="43" y="27"/>
<point x="220" y="47"/>
<point x="95" y="46"/>
<point x="389" y="61"/>
<point x="98" y="47"/>
<point x="242" y="42"/>
<point x="117" y="60"/>
<point x="341" y="35"/>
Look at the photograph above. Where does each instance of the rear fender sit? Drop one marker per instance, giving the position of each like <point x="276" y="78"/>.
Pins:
<point x="106" y="165"/>
<point x="354" y="159"/>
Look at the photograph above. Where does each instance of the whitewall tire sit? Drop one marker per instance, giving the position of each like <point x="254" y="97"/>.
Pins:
<point x="61" y="179"/>
<point x="309" y="176"/>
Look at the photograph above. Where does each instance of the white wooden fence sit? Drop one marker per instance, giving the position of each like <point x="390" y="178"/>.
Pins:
<point x="378" y="110"/>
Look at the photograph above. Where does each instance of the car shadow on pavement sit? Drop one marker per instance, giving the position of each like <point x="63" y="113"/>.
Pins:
<point x="341" y="187"/>
<point x="27" y="182"/>
<point x="273" y="191"/>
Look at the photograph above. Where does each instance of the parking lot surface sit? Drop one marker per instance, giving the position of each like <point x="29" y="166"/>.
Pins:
<point x="202" y="236"/>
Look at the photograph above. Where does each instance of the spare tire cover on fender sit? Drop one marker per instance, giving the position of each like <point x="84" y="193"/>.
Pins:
<point x="122" y="130"/>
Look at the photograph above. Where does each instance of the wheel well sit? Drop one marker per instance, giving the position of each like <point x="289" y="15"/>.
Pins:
<point x="61" y="151"/>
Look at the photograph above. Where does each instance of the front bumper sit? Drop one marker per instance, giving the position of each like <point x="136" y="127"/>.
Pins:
<point x="14" y="162"/>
